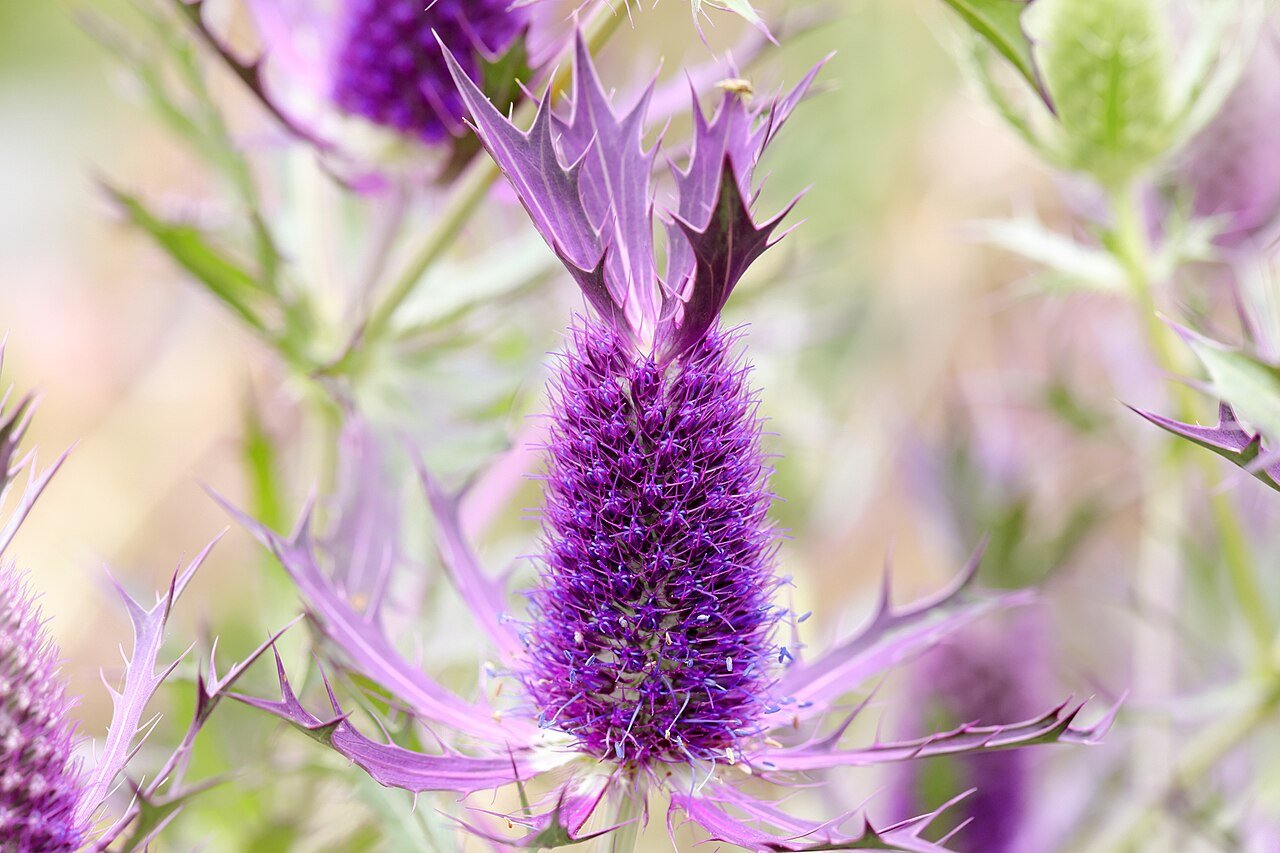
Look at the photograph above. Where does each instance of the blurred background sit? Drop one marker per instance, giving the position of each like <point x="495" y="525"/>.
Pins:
<point x="922" y="390"/>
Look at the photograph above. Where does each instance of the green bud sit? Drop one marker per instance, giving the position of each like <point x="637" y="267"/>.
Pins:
<point x="1107" y="66"/>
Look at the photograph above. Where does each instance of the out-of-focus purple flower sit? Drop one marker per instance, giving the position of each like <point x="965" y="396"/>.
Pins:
<point x="48" y="802"/>
<point x="40" y="781"/>
<point x="648" y="657"/>
<point x="381" y="62"/>
<point x="976" y="676"/>
<point x="1233" y="165"/>
<point x="390" y="69"/>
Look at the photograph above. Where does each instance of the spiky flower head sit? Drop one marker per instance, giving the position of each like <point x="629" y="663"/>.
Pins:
<point x="40" y="781"/>
<point x="651" y="632"/>
<point x="651" y="629"/>
<point x="48" y="802"/>
<point x="388" y="66"/>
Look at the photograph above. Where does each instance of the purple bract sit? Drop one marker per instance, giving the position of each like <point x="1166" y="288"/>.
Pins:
<point x="588" y="184"/>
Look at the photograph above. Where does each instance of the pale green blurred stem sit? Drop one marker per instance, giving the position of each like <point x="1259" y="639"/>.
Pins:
<point x="472" y="191"/>
<point x="628" y="809"/>
<point x="1133" y="252"/>
<point x="1202" y="755"/>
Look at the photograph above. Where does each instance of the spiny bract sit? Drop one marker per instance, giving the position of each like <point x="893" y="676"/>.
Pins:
<point x="651" y="633"/>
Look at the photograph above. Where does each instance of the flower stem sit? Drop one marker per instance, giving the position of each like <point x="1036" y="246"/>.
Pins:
<point x="627" y="814"/>
<point x="1132" y="251"/>
<point x="472" y="190"/>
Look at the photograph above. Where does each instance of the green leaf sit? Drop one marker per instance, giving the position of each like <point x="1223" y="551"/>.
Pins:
<point x="262" y="465"/>
<point x="1072" y="265"/>
<point x="999" y="22"/>
<point x="191" y="249"/>
<point x="1247" y="384"/>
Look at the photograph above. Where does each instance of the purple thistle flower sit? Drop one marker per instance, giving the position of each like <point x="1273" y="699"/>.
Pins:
<point x="389" y="68"/>
<point x="648" y="657"/>
<point x="40" y="780"/>
<point x="651" y="473"/>
<point x="41" y="786"/>
<point x="977" y="677"/>
<point x="1233" y="165"/>
<point x="47" y="801"/>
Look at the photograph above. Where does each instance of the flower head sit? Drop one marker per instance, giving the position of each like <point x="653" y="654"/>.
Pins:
<point x="1233" y="165"/>
<point x="378" y="62"/>
<point x="40" y="780"/>
<point x="651" y="633"/>
<point x="41" y="785"/>
<point x="648" y="654"/>
<point x="389" y="68"/>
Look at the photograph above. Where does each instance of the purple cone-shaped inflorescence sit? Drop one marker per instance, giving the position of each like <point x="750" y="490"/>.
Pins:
<point x="40" y="783"/>
<point x="652" y="627"/>
<point x="390" y="70"/>
<point x="1233" y="165"/>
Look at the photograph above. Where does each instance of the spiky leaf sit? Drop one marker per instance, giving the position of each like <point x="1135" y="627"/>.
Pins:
<point x="1248" y="384"/>
<point x="999" y="22"/>
<point x="192" y="249"/>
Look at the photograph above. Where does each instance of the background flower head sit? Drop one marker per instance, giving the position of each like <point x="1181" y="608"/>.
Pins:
<point x="1233" y="165"/>
<point x="389" y="68"/>
<point x="40" y="780"/>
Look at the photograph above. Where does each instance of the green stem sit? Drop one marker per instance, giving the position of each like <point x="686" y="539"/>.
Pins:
<point x="1132" y="251"/>
<point x="627" y="814"/>
<point x="472" y="190"/>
